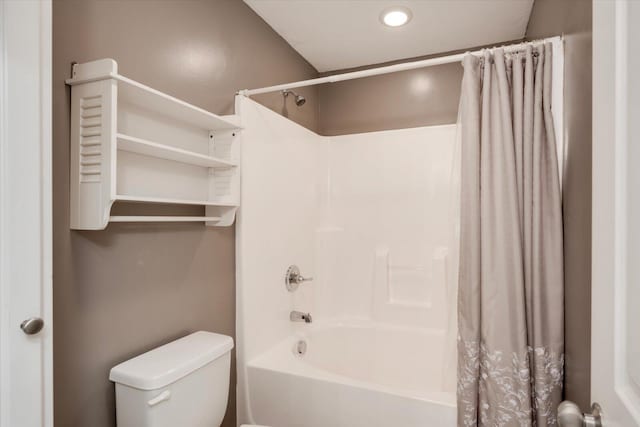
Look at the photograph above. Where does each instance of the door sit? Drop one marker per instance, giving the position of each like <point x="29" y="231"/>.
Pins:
<point x="25" y="214"/>
<point x="615" y="355"/>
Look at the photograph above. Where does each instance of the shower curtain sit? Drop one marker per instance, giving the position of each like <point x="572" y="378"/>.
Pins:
<point x="510" y="289"/>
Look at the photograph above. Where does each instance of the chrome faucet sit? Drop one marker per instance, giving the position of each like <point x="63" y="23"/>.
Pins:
<point x="293" y="278"/>
<point x="298" y="316"/>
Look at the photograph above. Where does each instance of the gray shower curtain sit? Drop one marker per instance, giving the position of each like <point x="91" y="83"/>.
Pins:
<point x="510" y="295"/>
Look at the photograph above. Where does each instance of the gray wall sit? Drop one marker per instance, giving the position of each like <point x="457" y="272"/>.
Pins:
<point x="573" y="19"/>
<point x="127" y="289"/>
<point x="422" y="97"/>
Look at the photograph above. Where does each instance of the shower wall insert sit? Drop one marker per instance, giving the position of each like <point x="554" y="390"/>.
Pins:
<point x="369" y="217"/>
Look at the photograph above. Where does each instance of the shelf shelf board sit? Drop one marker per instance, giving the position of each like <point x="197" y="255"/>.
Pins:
<point x="118" y="218"/>
<point x="132" y="92"/>
<point x="141" y="199"/>
<point x="161" y="151"/>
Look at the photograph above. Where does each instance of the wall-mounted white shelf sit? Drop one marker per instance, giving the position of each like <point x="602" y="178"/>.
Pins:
<point x="133" y="143"/>
<point x="161" y="151"/>
<point x="135" y="218"/>
<point x="166" y="201"/>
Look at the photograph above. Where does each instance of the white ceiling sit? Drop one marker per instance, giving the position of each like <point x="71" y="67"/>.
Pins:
<point x="336" y="34"/>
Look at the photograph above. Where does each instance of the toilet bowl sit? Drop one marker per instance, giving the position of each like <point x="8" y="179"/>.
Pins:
<point x="183" y="383"/>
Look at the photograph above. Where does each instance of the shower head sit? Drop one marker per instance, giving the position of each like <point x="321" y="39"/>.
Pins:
<point x="300" y="100"/>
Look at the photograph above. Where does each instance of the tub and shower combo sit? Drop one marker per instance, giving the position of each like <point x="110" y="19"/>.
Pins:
<point x="369" y="340"/>
<point x="347" y="263"/>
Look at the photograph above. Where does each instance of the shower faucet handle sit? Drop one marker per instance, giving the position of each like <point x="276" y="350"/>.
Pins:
<point x="293" y="278"/>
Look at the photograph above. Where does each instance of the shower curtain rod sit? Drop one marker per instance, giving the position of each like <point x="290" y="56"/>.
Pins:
<point x="386" y="69"/>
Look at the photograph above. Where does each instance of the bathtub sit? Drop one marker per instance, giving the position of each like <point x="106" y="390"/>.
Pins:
<point x="352" y="374"/>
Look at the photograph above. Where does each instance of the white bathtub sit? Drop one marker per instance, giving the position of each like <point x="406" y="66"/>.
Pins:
<point x="352" y="375"/>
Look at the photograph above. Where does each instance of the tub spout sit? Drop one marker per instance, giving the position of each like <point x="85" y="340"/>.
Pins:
<point x="298" y="316"/>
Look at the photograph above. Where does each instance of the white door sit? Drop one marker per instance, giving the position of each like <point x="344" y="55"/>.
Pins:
<point x="25" y="213"/>
<point x="615" y="355"/>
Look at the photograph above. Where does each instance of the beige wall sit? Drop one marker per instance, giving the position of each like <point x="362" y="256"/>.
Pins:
<point x="130" y="288"/>
<point x="422" y="97"/>
<point x="573" y="19"/>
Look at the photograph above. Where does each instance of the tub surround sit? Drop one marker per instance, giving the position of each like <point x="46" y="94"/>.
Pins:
<point x="365" y="217"/>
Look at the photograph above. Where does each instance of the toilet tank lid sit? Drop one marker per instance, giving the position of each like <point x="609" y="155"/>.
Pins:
<point x="166" y="364"/>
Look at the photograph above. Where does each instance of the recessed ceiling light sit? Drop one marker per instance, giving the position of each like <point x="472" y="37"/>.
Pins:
<point x="395" y="16"/>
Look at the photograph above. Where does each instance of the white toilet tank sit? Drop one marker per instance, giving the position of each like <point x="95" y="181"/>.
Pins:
<point x="184" y="383"/>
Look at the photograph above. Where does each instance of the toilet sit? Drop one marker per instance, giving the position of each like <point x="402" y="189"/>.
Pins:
<point x="183" y="383"/>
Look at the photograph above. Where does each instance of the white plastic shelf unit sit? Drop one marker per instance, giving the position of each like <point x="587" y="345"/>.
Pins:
<point x="132" y="143"/>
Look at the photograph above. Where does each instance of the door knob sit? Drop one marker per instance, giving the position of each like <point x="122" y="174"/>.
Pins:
<point x="570" y="415"/>
<point x="32" y="325"/>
